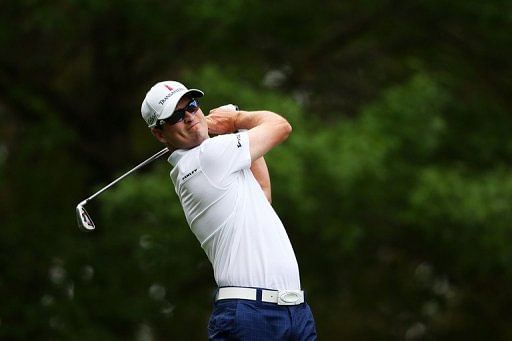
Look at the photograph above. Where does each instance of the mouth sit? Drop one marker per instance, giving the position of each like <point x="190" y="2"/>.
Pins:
<point x="193" y="125"/>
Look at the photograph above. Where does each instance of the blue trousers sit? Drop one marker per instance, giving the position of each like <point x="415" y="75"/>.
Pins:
<point x="236" y="319"/>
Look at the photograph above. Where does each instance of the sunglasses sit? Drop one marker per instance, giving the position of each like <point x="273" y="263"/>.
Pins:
<point x="179" y="115"/>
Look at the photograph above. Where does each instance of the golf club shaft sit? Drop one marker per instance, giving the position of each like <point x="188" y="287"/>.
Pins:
<point x="142" y="164"/>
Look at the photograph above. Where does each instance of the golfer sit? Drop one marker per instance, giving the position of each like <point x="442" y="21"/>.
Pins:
<point x="224" y="188"/>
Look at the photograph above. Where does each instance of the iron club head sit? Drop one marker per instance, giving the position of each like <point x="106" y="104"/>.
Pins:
<point x="83" y="218"/>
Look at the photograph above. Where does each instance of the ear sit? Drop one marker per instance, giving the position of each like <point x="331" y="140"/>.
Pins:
<point x="159" y="135"/>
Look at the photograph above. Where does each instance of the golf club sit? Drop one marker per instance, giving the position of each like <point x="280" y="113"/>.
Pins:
<point x="84" y="220"/>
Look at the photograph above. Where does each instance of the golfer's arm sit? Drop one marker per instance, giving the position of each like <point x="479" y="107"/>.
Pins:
<point x="260" y="171"/>
<point x="266" y="130"/>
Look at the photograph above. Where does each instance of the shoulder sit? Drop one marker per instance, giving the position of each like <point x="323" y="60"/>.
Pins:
<point x="225" y="151"/>
<point x="223" y="142"/>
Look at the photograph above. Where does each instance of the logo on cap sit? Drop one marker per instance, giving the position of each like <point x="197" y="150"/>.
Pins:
<point x="151" y="118"/>
<point x="172" y="92"/>
<point x="162" y="101"/>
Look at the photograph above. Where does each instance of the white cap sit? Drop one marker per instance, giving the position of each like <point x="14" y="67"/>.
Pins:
<point x="161" y="100"/>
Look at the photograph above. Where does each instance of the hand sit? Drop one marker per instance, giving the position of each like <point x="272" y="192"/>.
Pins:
<point x="222" y="120"/>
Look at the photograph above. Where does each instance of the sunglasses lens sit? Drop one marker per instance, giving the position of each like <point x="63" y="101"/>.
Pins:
<point x="192" y="106"/>
<point x="179" y="115"/>
<point x="176" y="117"/>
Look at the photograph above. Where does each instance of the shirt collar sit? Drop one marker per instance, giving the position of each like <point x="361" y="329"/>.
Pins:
<point x="176" y="156"/>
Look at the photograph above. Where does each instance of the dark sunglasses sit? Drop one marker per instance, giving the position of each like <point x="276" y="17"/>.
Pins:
<point x="179" y="115"/>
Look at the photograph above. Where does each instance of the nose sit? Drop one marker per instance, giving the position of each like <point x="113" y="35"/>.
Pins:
<point x="189" y="116"/>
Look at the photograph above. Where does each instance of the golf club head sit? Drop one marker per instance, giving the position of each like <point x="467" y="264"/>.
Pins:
<point x="85" y="222"/>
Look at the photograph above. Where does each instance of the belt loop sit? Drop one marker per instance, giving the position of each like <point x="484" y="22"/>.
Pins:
<point x="259" y="294"/>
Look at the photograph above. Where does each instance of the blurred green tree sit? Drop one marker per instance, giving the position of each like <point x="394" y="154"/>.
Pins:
<point x="395" y="185"/>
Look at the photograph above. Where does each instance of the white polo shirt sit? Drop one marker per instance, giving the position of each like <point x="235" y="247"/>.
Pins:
<point x="229" y="214"/>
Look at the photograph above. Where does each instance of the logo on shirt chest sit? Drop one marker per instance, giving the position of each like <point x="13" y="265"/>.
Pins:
<point x="188" y="175"/>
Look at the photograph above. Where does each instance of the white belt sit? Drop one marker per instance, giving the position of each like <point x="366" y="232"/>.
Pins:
<point x="280" y="297"/>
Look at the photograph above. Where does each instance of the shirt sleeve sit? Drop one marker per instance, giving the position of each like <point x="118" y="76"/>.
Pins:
<point x="224" y="155"/>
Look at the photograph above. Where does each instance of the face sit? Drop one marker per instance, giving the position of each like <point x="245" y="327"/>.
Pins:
<point x="184" y="134"/>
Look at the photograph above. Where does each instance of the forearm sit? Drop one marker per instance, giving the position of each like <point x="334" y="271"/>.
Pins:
<point x="265" y="128"/>
<point x="222" y="121"/>
<point x="260" y="171"/>
<point x="251" y="119"/>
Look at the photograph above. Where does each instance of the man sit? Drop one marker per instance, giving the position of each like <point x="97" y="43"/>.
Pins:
<point x="224" y="188"/>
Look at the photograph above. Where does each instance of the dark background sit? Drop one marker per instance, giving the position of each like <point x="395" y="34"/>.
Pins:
<point x="395" y="186"/>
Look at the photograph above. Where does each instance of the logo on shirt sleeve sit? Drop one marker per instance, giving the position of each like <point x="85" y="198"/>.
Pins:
<point x="188" y="175"/>
<point x="238" y="141"/>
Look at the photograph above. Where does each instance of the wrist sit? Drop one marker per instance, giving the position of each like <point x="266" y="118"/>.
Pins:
<point x="236" y="123"/>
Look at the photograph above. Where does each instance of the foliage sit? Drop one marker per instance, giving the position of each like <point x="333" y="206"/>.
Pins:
<point x="395" y="185"/>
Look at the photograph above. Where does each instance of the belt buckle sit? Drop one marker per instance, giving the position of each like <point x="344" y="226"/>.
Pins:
<point x="290" y="297"/>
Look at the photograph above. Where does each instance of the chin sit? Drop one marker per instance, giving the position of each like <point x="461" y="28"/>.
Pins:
<point x="193" y="142"/>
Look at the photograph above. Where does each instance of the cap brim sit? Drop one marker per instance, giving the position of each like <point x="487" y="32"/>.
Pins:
<point x="171" y="106"/>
